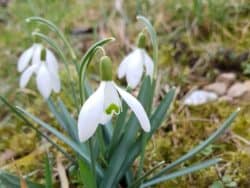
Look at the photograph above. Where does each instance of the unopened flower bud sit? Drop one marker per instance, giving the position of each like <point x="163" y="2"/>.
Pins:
<point x="141" y="40"/>
<point x="43" y="54"/>
<point x="106" y="68"/>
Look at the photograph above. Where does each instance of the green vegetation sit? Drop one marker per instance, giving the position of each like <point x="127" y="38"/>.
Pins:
<point x="199" y="38"/>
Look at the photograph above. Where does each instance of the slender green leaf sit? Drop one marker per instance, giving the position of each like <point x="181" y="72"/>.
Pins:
<point x="48" y="173"/>
<point x="86" y="174"/>
<point x="160" y="113"/>
<point x="18" y="114"/>
<point x="144" y="176"/>
<point x="70" y="121"/>
<point x="60" y="119"/>
<point x="119" y="128"/>
<point x="156" y="120"/>
<point x="73" y="145"/>
<point x="201" y="146"/>
<point x="181" y="172"/>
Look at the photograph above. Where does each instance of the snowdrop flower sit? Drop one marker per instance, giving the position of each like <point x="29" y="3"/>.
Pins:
<point x="106" y="102"/>
<point x="41" y="62"/>
<point x="133" y="64"/>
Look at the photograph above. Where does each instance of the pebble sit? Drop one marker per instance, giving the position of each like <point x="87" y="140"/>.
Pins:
<point x="227" y="78"/>
<point x="219" y="88"/>
<point x="237" y="90"/>
<point x="199" y="97"/>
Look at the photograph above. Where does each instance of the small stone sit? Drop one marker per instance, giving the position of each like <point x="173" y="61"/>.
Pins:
<point x="237" y="90"/>
<point x="246" y="95"/>
<point x="219" y="88"/>
<point x="199" y="97"/>
<point x="227" y="78"/>
<point x="247" y="84"/>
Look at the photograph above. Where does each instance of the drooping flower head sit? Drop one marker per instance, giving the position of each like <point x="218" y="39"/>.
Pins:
<point x="43" y="63"/>
<point x="106" y="102"/>
<point x="132" y="66"/>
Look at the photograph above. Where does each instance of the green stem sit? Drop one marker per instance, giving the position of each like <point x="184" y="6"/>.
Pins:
<point x="153" y="37"/>
<point x="84" y="62"/>
<point x="91" y="148"/>
<point x="54" y="28"/>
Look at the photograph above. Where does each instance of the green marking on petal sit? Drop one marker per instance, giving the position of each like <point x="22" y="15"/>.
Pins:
<point x="112" y="108"/>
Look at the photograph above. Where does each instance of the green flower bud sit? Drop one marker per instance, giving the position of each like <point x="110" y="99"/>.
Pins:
<point x="43" y="54"/>
<point x="141" y="40"/>
<point x="106" y="68"/>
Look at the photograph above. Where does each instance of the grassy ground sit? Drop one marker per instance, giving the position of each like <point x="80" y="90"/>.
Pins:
<point x="197" y="41"/>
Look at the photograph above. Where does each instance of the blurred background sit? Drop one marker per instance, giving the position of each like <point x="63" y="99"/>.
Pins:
<point x="203" y="45"/>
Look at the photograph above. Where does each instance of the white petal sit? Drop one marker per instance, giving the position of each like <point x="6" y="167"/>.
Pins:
<point x="110" y="97"/>
<point x="24" y="59"/>
<point x="25" y="77"/>
<point x="90" y="113"/>
<point x="149" y="64"/>
<point x="51" y="61"/>
<point x="104" y="119"/>
<point x="136" y="107"/>
<point x="135" y="69"/>
<point x="43" y="81"/>
<point x="122" y="69"/>
<point x="55" y="81"/>
<point x="36" y="59"/>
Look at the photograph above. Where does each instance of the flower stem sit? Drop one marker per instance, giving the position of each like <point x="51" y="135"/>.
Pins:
<point x="91" y="148"/>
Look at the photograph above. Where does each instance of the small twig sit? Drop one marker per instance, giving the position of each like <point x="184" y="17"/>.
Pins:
<point x="62" y="173"/>
<point x="247" y="142"/>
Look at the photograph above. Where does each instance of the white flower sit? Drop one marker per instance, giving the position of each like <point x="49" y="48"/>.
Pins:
<point x="102" y="104"/>
<point x="132" y="67"/>
<point x="47" y="77"/>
